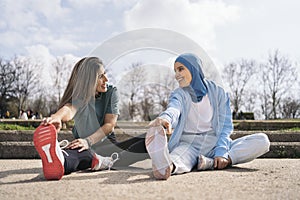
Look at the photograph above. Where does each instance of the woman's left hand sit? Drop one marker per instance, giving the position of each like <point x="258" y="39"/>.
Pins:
<point x="79" y="143"/>
<point x="220" y="162"/>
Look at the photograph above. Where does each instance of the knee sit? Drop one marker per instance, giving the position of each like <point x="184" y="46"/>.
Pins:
<point x="264" y="141"/>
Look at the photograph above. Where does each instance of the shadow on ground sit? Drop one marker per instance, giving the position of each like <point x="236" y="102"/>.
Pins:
<point x="128" y="175"/>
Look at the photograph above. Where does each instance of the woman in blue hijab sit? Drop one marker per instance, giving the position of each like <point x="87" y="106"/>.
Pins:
<point x="199" y="115"/>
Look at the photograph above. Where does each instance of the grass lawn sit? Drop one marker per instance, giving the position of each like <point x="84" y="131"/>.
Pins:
<point x="15" y="127"/>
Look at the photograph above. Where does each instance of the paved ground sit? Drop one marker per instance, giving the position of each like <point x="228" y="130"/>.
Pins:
<point x="260" y="179"/>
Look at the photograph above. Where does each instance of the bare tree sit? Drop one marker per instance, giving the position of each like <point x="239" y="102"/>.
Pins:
<point x="146" y="102"/>
<point x="237" y="76"/>
<point x="265" y="97"/>
<point x="134" y="79"/>
<point x="169" y="85"/>
<point x="250" y="97"/>
<point x="7" y="79"/>
<point x="278" y="77"/>
<point x="290" y="108"/>
<point x="161" y="95"/>
<point x="26" y="81"/>
<point x="62" y="70"/>
<point x="124" y="111"/>
<point x="40" y="103"/>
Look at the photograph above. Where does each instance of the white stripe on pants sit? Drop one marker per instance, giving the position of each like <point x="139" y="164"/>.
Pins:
<point x="244" y="149"/>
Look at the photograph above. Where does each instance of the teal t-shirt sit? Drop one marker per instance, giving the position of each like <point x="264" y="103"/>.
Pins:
<point x="91" y="118"/>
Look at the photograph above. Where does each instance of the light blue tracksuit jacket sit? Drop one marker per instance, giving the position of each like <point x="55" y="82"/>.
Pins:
<point x="179" y="106"/>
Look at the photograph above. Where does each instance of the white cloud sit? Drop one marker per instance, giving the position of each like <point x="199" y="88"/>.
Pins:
<point x="40" y="55"/>
<point x="51" y="10"/>
<point x="12" y="39"/>
<point x="87" y="3"/>
<point x="196" y="19"/>
<point x="222" y="27"/>
<point x="62" y="26"/>
<point x="40" y="52"/>
<point x="66" y="45"/>
<point x="3" y="24"/>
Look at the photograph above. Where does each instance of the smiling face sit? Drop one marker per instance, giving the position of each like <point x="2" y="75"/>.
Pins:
<point x="182" y="75"/>
<point x="101" y="81"/>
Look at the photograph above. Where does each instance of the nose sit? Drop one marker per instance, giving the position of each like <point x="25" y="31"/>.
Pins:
<point x="105" y="79"/>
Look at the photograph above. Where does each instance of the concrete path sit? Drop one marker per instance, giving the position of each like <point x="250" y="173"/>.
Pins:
<point x="259" y="179"/>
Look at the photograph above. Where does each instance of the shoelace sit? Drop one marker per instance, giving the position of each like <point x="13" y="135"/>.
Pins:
<point x="114" y="157"/>
<point x="63" y="144"/>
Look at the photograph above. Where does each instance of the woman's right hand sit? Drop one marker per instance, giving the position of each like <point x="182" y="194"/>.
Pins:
<point x="161" y="122"/>
<point x="56" y="121"/>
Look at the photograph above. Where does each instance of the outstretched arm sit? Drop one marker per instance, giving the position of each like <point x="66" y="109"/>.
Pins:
<point x="66" y="113"/>
<point x="170" y="116"/>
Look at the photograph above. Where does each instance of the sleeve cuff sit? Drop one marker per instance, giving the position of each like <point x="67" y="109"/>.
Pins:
<point x="166" y="117"/>
<point x="221" y="152"/>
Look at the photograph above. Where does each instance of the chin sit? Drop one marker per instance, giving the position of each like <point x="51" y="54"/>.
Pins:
<point x="102" y="90"/>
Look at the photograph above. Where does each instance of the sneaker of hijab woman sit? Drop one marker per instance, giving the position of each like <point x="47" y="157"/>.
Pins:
<point x="205" y="163"/>
<point x="157" y="147"/>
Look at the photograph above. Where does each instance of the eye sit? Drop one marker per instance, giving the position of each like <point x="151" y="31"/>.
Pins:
<point x="101" y="76"/>
<point x="180" y="68"/>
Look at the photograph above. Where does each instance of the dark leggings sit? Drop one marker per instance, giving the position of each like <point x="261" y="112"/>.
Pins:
<point x="130" y="151"/>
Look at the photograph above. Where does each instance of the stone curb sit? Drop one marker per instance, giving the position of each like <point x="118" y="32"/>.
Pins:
<point x="26" y="150"/>
<point x="18" y="144"/>
<point x="274" y="136"/>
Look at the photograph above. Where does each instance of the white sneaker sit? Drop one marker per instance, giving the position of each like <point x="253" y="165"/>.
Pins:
<point x="157" y="147"/>
<point x="46" y="144"/>
<point x="102" y="163"/>
<point x="205" y="163"/>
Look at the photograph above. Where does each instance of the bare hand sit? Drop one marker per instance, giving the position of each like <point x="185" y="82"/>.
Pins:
<point x="220" y="162"/>
<point x="162" y="122"/>
<point x="52" y="120"/>
<point x="79" y="143"/>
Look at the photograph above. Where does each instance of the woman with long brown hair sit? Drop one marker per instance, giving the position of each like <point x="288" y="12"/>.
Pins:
<point x="93" y="105"/>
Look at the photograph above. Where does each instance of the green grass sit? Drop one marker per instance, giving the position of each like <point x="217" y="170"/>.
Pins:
<point x="15" y="127"/>
<point x="292" y="129"/>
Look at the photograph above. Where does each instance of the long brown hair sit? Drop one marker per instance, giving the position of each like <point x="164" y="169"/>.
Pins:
<point x="83" y="81"/>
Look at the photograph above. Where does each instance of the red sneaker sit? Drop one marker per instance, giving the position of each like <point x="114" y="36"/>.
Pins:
<point x="46" y="144"/>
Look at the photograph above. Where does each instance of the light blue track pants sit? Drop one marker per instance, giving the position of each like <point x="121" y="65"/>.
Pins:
<point x="244" y="149"/>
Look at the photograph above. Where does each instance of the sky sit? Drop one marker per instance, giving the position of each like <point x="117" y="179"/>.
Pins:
<point x="226" y="29"/>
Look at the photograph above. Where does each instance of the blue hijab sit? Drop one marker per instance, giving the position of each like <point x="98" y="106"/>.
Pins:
<point x="197" y="89"/>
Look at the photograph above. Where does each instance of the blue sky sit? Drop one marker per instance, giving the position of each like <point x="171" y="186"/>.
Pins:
<point x="226" y="29"/>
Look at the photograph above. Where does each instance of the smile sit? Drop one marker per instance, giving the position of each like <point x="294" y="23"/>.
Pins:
<point x="179" y="79"/>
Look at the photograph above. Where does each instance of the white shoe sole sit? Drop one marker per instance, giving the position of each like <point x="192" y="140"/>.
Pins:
<point x="157" y="147"/>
